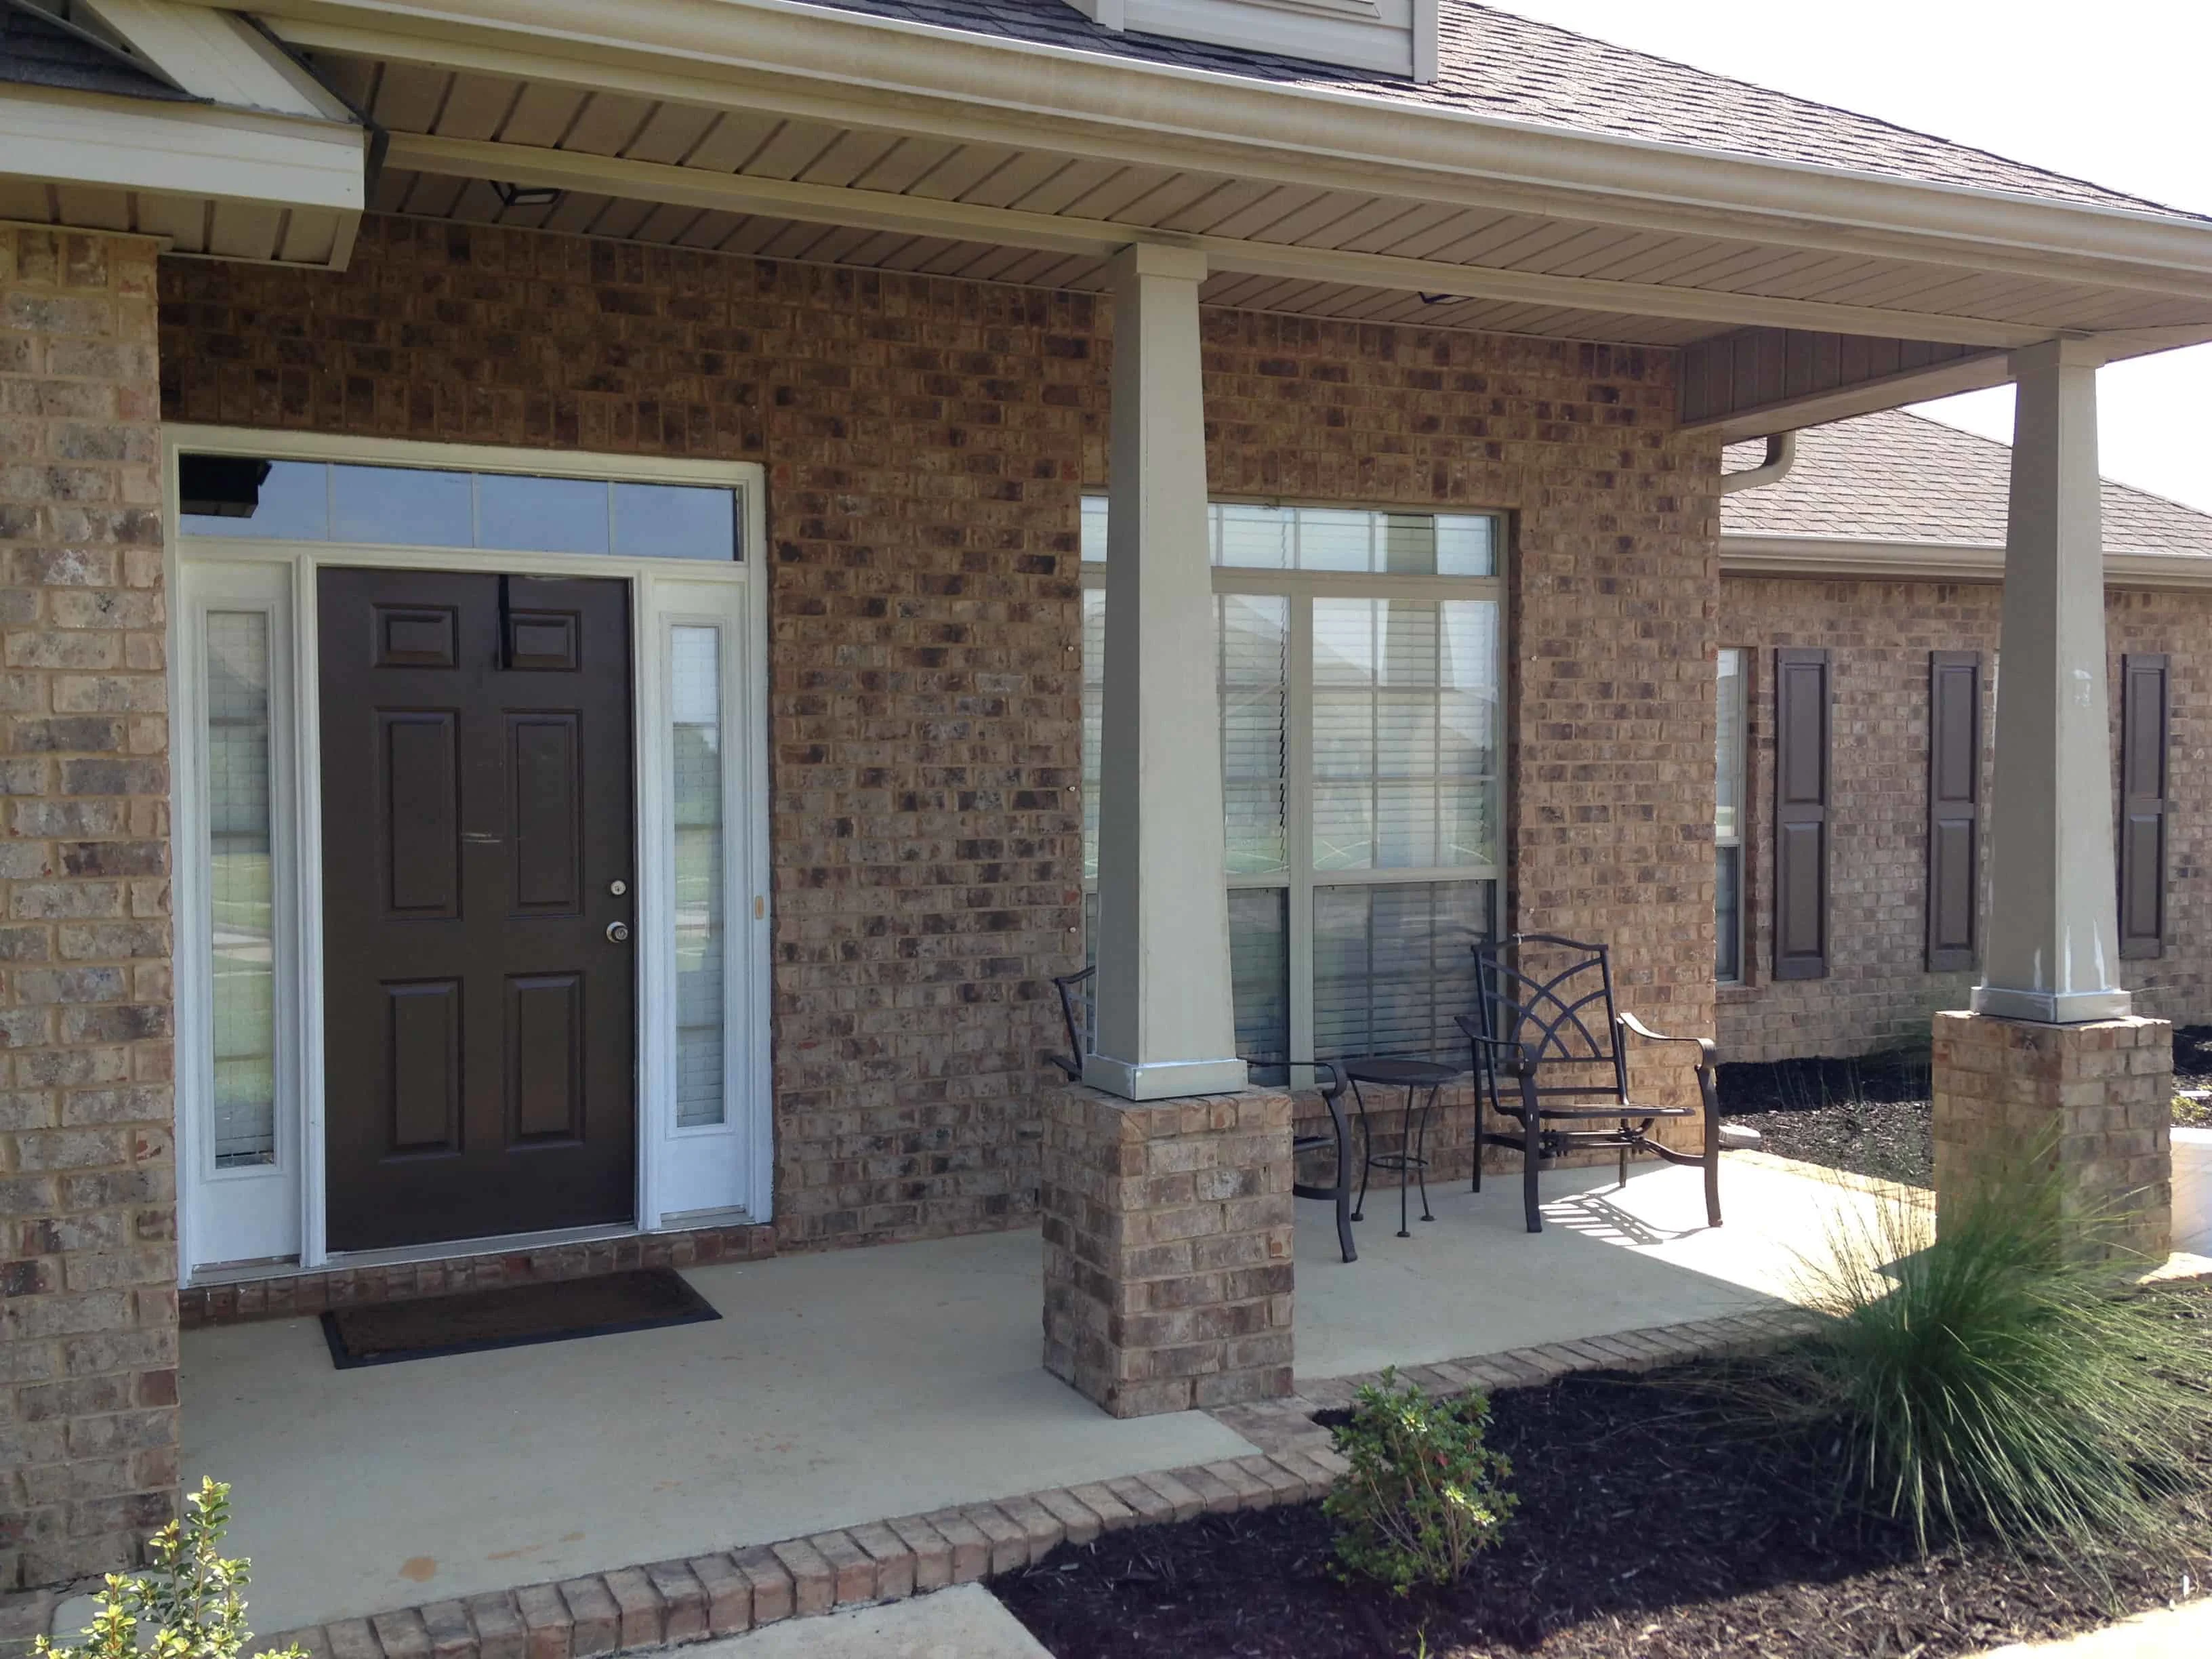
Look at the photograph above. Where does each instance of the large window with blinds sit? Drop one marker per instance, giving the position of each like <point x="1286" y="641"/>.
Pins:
<point x="1358" y="656"/>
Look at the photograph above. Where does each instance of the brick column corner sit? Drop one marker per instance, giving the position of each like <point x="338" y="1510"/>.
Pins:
<point x="2103" y="1092"/>
<point x="1168" y="1277"/>
<point x="88" y="1168"/>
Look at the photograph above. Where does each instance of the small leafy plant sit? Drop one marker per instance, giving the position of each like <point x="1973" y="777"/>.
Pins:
<point x="187" y="1606"/>
<point x="1424" y="1493"/>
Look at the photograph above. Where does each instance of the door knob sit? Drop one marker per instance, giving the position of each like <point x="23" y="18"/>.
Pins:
<point x="618" y="932"/>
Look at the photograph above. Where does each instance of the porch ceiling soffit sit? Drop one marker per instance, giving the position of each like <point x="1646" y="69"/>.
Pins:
<point x="255" y="160"/>
<point x="913" y="215"/>
<point x="804" y="62"/>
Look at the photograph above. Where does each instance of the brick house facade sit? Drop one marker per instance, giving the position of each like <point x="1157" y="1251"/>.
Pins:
<point x="852" y="273"/>
<point x="1865" y="505"/>
<point x="1878" y="994"/>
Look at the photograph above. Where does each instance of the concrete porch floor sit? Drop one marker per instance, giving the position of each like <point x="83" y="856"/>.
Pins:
<point x="846" y="1387"/>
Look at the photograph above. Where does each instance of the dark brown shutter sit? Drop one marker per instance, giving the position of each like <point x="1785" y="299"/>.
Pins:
<point x="1800" y="814"/>
<point x="1955" y="792"/>
<point x="2143" y="804"/>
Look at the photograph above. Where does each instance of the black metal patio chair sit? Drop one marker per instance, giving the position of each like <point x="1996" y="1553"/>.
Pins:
<point x="1338" y="1138"/>
<point x="1549" y="1050"/>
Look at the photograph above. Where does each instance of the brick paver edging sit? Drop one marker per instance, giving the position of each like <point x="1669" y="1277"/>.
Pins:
<point x="668" y="1603"/>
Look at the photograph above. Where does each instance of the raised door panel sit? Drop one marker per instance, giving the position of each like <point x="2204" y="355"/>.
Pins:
<point x="422" y="1067"/>
<point x="418" y="772"/>
<point x="545" y="790"/>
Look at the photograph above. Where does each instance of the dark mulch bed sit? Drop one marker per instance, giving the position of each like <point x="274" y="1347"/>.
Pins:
<point x="1651" y="1525"/>
<point x="1868" y="1115"/>
<point x="1871" y="1117"/>
<point x="2192" y="1070"/>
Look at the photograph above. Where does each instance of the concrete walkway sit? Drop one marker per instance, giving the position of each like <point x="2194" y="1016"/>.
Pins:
<point x="965" y="1622"/>
<point x="2182" y="1633"/>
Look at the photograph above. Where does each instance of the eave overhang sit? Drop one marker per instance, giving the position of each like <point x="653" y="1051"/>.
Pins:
<point x="814" y="63"/>
<point x="1857" y="559"/>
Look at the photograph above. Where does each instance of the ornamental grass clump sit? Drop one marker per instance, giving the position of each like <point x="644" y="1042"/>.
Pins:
<point x="187" y="1606"/>
<point x="1997" y="1376"/>
<point x="1423" y="1493"/>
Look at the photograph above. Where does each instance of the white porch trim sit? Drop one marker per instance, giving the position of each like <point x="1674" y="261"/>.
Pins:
<point x="2053" y="948"/>
<point x="1166" y="1026"/>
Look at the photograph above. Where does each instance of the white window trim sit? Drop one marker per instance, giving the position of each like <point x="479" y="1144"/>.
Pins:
<point x="278" y="577"/>
<point x="1301" y="879"/>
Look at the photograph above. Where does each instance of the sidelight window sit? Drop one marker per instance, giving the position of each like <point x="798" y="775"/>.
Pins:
<point x="696" y="675"/>
<point x="1359" y="686"/>
<point x="242" y="891"/>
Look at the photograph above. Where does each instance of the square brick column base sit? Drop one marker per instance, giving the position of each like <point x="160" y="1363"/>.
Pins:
<point x="1167" y="1247"/>
<point x="2103" y="1090"/>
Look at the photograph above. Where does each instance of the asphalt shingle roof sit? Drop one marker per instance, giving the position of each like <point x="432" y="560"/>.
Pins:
<point x="1493" y="63"/>
<point x="1900" y="477"/>
<point x="35" y="51"/>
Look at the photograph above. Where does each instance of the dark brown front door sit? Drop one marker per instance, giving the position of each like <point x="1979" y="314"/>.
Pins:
<point x="479" y="1001"/>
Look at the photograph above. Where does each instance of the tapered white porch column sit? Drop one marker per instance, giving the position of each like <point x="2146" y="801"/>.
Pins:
<point x="1165" y="1022"/>
<point x="2053" y="948"/>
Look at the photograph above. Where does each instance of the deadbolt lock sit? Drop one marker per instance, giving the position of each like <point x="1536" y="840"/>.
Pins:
<point x="617" y="888"/>
<point x="618" y="932"/>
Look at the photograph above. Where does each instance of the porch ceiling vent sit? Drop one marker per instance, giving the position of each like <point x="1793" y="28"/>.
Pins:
<point x="1395" y="37"/>
<point x="220" y="486"/>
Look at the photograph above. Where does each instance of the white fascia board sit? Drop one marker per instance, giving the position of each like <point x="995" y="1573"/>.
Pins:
<point x="1847" y="559"/>
<point x="218" y="56"/>
<point x="189" y="149"/>
<point x="899" y="75"/>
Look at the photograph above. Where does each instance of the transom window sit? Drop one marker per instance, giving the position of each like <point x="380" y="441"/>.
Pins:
<point x="240" y="497"/>
<point x="1358" y="655"/>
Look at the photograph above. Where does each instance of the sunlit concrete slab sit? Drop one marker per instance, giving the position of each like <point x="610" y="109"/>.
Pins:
<point x="835" y="1389"/>
<point x="965" y="1622"/>
<point x="1610" y="1258"/>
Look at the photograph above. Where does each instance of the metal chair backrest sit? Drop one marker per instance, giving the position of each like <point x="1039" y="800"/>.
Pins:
<point x="1552" y="998"/>
<point x="1077" y="1030"/>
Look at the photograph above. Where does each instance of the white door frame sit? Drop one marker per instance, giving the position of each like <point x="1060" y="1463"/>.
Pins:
<point x="278" y="579"/>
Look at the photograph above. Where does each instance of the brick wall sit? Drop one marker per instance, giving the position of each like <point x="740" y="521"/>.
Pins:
<point x="1610" y="612"/>
<point x="921" y="437"/>
<point x="1878" y="994"/>
<point x="87" y="1217"/>
<point x="927" y="442"/>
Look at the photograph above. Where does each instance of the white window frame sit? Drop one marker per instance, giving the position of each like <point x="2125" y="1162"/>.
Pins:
<point x="1300" y="587"/>
<point x="1733" y="710"/>
<point x="262" y="1219"/>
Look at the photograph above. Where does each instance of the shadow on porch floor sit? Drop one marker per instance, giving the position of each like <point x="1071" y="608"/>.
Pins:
<point x="845" y="1388"/>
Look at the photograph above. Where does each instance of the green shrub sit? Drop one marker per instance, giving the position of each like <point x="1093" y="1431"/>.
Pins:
<point x="1996" y="1376"/>
<point x="187" y="1606"/>
<point x="1424" y="1493"/>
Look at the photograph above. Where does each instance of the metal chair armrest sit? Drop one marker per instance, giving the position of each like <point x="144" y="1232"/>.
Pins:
<point x="1708" y="1052"/>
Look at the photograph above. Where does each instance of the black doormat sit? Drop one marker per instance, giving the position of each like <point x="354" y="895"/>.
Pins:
<point x="513" y="1317"/>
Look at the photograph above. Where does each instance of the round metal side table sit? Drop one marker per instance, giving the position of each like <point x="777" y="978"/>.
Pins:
<point x="1411" y="1156"/>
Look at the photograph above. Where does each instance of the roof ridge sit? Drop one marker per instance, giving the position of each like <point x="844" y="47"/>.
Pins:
<point x="1445" y="8"/>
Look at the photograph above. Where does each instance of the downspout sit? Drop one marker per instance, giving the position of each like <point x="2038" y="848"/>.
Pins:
<point x="1781" y="456"/>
